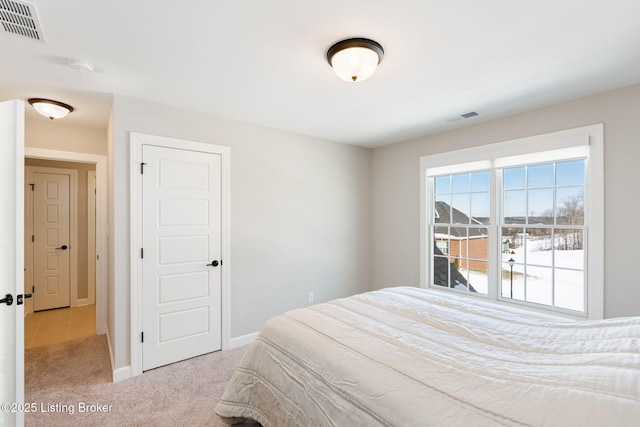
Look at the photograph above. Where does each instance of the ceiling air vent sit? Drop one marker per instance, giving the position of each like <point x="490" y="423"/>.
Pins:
<point x="20" y="18"/>
<point x="462" y="116"/>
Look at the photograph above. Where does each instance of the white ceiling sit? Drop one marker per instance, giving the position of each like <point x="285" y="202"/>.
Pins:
<point x="264" y="62"/>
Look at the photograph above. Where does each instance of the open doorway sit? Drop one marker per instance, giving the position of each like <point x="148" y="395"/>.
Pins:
<point x="90" y="250"/>
<point x="60" y="251"/>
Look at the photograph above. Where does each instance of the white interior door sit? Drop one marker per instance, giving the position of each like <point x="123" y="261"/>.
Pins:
<point x="181" y="265"/>
<point x="11" y="259"/>
<point x="51" y="260"/>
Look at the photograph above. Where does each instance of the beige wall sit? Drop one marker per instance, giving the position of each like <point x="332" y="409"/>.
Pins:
<point x="395" y="188"/>
<point x="81" y="198"/>
<point x="41" y="132"/>
<point x="300" y="219"/>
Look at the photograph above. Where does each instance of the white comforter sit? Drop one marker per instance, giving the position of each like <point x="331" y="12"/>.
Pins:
<point x="413" y="357"/>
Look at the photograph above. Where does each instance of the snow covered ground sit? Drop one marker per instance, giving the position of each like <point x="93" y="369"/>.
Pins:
<point x="537" y="285"/>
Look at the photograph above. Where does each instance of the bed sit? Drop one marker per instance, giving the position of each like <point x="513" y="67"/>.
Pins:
<point x="415" y="357"/>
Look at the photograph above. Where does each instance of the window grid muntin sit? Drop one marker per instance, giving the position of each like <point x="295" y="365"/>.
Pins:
<point x="445" y="189"/>
<point x="554" y="186"/>
<point x="496" y="187"/>
<point x="553" y="267"/>
<point x="448" y="196"/>
<point x="501" y="188"/>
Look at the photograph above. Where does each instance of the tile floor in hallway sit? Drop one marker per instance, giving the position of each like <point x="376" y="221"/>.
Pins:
<point x="59" y="325"/>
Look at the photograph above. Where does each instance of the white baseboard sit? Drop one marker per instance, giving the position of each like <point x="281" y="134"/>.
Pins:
<point x="119" y="374"/>
<point x="81" y="302"/>
<point x="243" y="340"/>
<point x="124" y="373"/>
<point x="110" y="349"/>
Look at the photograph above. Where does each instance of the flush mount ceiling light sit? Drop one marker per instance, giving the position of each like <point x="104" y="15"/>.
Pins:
<point x="355" y="60"/>
<point x="50" y="108"/>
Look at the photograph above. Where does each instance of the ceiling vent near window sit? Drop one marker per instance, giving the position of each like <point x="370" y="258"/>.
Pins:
<point x="462" y="116"/>
<point x="20" y="18"/>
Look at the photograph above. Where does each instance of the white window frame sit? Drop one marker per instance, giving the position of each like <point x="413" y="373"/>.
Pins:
<point x="441" y="243"/>
<point x="589" y="141"/>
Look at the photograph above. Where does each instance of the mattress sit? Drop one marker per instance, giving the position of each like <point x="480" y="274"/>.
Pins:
<point x="415" y="357"/>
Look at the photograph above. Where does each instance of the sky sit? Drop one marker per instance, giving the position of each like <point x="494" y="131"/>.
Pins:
<point x="527" y="189"/>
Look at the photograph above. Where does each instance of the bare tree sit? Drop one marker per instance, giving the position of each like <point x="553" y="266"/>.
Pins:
<point x="570" y="213"/>
<point x="572" y="210"/>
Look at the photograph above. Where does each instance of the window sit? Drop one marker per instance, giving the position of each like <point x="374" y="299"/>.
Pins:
<point x="518" y="222"/>
<point x="461" y="211"/>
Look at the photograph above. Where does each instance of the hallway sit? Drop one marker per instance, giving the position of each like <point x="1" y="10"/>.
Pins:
<point x="60" y="325"/>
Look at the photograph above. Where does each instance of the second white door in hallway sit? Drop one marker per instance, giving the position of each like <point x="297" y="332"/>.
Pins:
<point x="51" y="249"/>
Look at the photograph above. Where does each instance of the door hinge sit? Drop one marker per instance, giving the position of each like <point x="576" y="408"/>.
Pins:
<point x="32" y="186"/>
<point x="142" y="168"/>
<point x="33" y="238"/>
<point x="141" y="336"/>
<point x="33" y="289"/>
<point x="141" y="252"/>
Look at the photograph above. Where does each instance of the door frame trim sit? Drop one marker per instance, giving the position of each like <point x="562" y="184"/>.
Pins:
<point x="101" y="220"/>
<point x="92" y="191"/>
<point x="137" y="140"/>
<point x="73" y="228"/>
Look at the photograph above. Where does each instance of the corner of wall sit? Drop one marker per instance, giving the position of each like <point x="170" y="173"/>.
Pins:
<point x="119" y="374"/>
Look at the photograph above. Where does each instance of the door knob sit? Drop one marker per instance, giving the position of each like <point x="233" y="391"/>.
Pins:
<point x="63" y="247"/>
<point x="8" y="299"/>
<point x="214" y="263"/>
<point x="20" y="297"/>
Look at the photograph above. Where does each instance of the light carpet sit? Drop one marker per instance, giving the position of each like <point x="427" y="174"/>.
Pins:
<point x="63" y="381"/>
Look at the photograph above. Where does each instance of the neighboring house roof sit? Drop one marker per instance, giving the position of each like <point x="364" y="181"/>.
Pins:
<point x="442" y="268"/>
<point x="447" y="214"/>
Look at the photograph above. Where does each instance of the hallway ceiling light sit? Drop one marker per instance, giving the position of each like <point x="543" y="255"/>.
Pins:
<point x="355" y="60"/>
<point x="50" y="108"/>
<point x="81" y="66"/>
